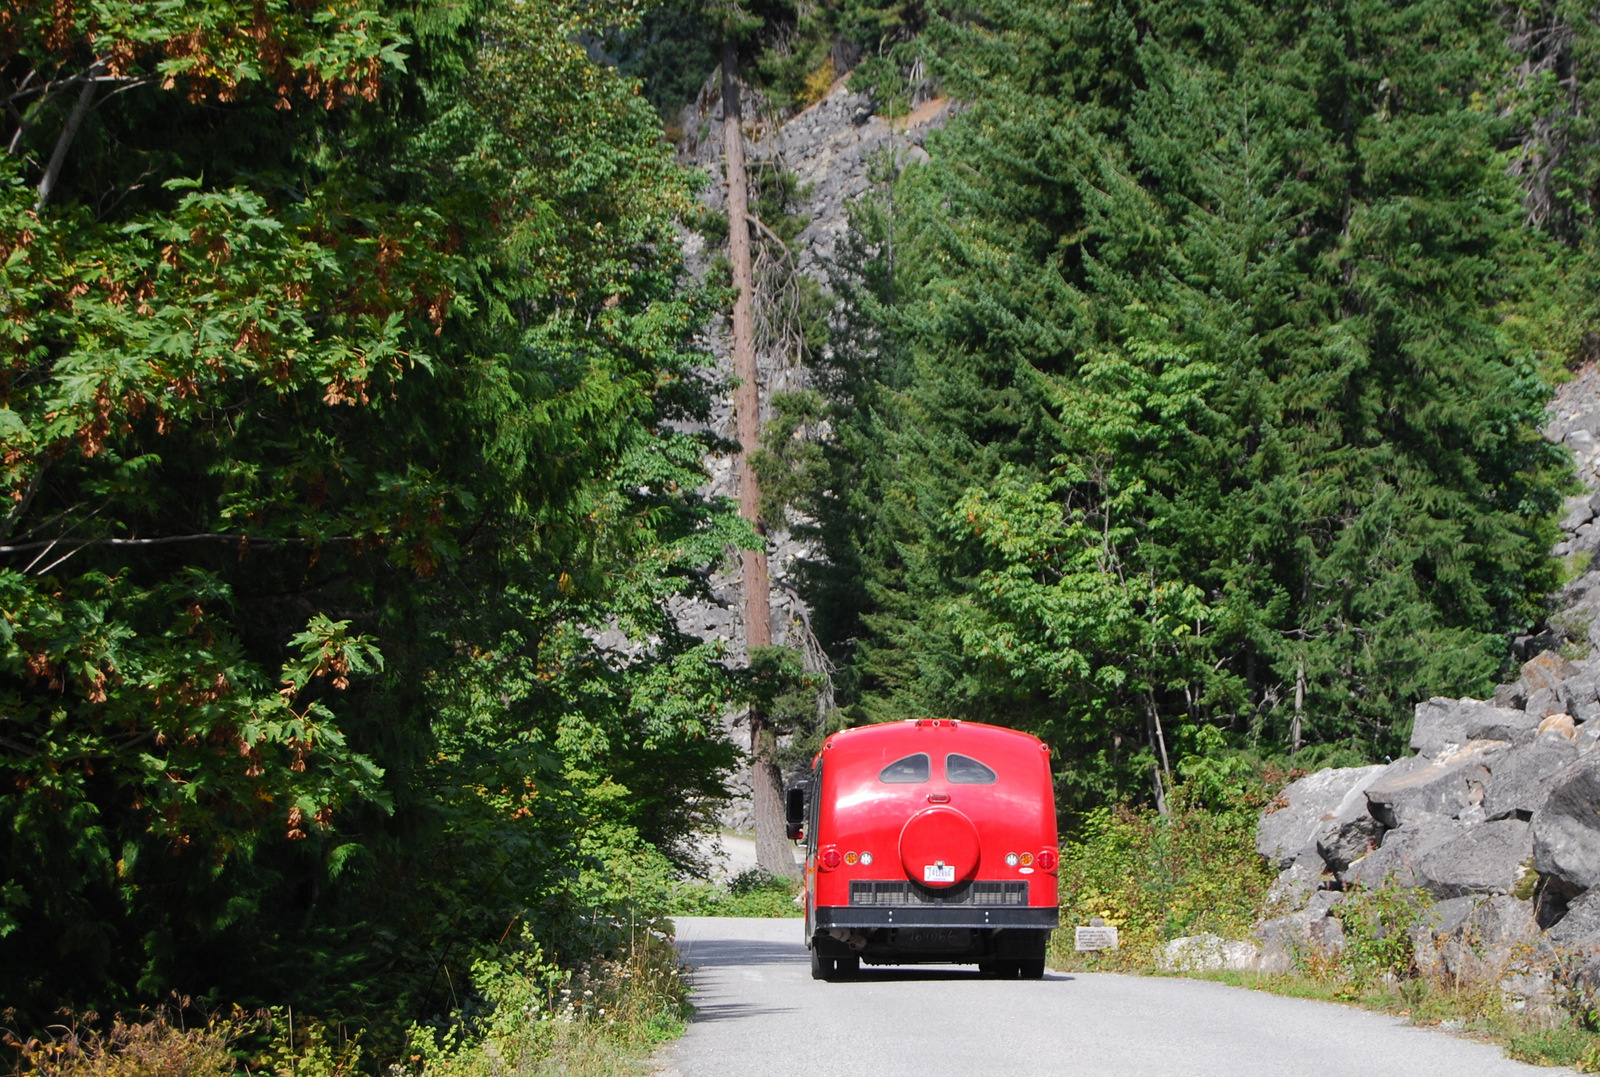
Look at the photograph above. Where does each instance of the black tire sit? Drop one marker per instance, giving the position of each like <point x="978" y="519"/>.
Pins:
<point x="1008" y="970"/>
<point x="1031" y="970"/>
<point x="833" y="969"/>
<point x="986" y="968"/>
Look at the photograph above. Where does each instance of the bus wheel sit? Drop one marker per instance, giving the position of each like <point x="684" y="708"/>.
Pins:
<point x="833" y="968"/>
<point x="1032" y="969"/>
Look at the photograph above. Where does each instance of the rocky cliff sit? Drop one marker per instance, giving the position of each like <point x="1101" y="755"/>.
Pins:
<point x="1496" y="816"/>
<point x="830" y="149"/>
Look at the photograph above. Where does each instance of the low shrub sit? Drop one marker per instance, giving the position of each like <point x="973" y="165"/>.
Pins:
<point x="150" y="1045"/>
<point x="750" y="893"/>
<point x="1379" y="928"/>
<point x="1158" y="877"/>
<point x="540" y="1019"/>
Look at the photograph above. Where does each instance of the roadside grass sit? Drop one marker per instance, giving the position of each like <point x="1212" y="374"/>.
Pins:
<point x="750" y="893"/>
<point x="1478" y="1013"/>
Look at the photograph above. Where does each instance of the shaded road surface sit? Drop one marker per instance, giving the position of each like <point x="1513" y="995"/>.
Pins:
<point x="759" y="1014"/>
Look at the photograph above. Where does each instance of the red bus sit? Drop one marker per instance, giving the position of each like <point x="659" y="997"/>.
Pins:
<point x="928" y="841"/>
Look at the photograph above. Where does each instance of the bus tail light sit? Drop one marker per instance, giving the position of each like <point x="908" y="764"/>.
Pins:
<point x="1048" y="859"/>
<point x="829" y="858"/>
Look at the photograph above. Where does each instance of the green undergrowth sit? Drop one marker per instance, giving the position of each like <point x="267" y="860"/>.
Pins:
<point x="1159" y="877"/>
<point x="529" y="1018"/>
<point x="750" y="893"/>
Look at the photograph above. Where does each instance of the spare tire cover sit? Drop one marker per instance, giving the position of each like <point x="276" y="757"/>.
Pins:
<point x="939" y="847"/>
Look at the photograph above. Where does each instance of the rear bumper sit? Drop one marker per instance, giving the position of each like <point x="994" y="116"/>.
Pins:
<point x="866" y="917"/>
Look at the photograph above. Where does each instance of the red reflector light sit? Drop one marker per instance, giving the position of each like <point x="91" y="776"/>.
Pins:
<point x="830" y="858"/>
<point x="1048" y="858"/>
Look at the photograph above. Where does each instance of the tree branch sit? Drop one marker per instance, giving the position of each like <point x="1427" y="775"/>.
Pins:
<point x="58" y="156"/>
<point x="168" y="540"/>
<point x="770" y="234"/>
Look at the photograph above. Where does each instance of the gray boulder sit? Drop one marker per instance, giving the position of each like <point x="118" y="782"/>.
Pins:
<point x="1501" y="723"/>
<point x="1442" y="725"/>
<point x="1201" y="953"/>
<point x="1486" y="859"/>
<point x="1546" y="701"/>
<point x="1566" y="828"/>
<point x="1311" y="807"/>
<point x="1419" y="785"/>
<point x="1439" y="725"/>
<point x="1511" y="696"/>
<point x="1402" y="851"/>
<point x="1546" y="670"/>
<point x="1573" y="944"/>
<point x="1579" y="929"/>
<point x="1292" y="890"/>
<point x="1287" y="940"/>
<point x="1585" y="710"/>
<point x="1350" y="842"/>
<point x="1519" y="780"/>
<point x="1578" y="512"/>
<point x="1588" y="735"/>
<point x="1476" y="940"/>
<point x="1583" y="696"/>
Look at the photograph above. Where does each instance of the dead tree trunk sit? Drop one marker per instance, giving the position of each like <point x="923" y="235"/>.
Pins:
<point x="766" y="781"/>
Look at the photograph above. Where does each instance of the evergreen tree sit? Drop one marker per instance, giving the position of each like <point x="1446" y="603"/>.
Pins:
<point x="1214" y="409"/>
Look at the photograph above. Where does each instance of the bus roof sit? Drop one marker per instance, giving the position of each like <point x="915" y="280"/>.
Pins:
<point x="914" y="731"/>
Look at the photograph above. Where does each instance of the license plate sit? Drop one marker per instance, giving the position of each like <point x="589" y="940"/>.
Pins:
<point x="939" y="873"/>
<point x="934" y="938"/>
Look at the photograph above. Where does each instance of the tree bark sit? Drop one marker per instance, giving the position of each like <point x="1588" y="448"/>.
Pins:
<point x="1159" y="767"/>
<point x="58" y="157"/>
<point x="773" y="851"/>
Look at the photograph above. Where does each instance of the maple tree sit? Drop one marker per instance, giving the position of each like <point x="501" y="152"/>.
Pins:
<point x="342" y="355"/>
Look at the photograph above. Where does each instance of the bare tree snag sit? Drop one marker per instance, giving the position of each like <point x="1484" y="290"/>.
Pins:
<point x="766" y="781"/>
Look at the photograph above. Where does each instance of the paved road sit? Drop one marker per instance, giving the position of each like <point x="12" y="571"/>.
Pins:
<point x="759" y="1014"/>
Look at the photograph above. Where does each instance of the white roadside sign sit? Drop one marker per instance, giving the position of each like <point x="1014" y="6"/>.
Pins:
<point x="1095" y="938"/>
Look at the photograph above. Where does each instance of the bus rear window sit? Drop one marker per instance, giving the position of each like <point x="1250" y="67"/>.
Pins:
<point x="913" y="768"/>
<point x="965" y="770"/>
